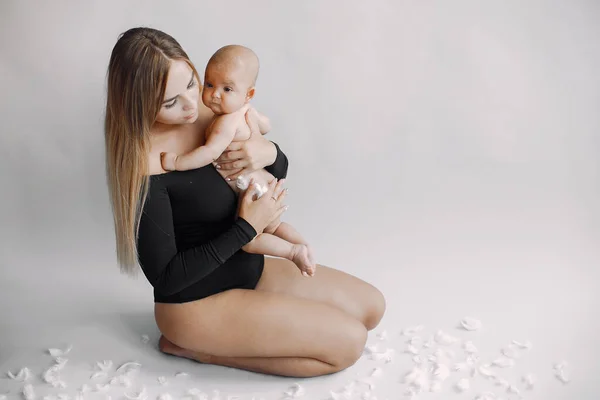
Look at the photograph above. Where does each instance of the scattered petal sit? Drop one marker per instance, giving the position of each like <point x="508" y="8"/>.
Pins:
<point x="104" y="365"/>
<point x="387" y="356"/>
<point x="102" y="387"/>
<point x="471" y="324"/>
<point x="61" y="362"/>
<point x="484" y="371"/>
<point x="441" y="372"/>
<point x="410" y="331"/>
<point x="470" y="347"/>
<point x="23" y="374"/>
<point x="59" y="352"/>
<point x="141" y="395"/>
<point x="435" y="386"/>
<point x="99" y="374"/>
<point x="510" y="352"/>
<point x="417" y="360"/>
<point x="513" y="389"/>
<point x="182" y="374"/>
<point x="444" y="339"/>
<point x="523" y="345"/>
<point x="376" y="371"/>
<point x="529" y="381"/>
<point x="28" y="392"/>
<point x="459" y="366"/>
<point x="486" y="396"/>
<point x="165" y="396"/>
<point x="162" y="380"/>
<point x="415" y="340"/>
<point x="295" y="391"/>
<point x="463" y="385"/>
<point x="429" y="342"/>
<point x="382" y="335"/>
<point x="503" y="362"/>
<point x="370" y="349"/>
<point x="145" y="339"/>
<point x="411" y="349"/>
<point x="128" y="366"/>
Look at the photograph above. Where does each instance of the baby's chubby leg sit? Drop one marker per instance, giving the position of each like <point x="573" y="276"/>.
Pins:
<point x="271" y="245"/>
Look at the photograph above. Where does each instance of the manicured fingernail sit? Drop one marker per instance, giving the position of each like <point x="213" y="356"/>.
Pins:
<point x="304" y="273"/>
<point x="285" y="208"/>
<point x="228" y="179"/>
<point x="217" y="166"/>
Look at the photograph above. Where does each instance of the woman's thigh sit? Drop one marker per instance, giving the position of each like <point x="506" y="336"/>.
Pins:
<point x="249" y="323"/>
<point x="352" y="295"/>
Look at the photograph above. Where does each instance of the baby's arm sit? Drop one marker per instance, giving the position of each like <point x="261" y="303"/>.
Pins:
<point x="264" y="124"/>
<point x="220" y="135"/>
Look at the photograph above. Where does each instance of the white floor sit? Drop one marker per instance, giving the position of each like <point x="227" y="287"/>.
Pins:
<point x="543" y="295"/>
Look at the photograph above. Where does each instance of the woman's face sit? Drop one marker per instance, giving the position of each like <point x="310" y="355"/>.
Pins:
<point x="180" y="104"/>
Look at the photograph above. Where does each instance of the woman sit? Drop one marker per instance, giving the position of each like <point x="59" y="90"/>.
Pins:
<point x="215" y="303"/>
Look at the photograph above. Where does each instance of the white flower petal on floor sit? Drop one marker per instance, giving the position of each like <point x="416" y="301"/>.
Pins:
<point x="162" y="380"/>
<point x="165" y="396"/>
<point x="23" y="374"/>
<point x="469" y="347"/>
<point x="145" y="339"/>
<point x="522" y="345"/>
<point x="560" y="373"/>
<point x="139" y="395"/>
<point x="463" y="385"/>
<point x="128" y="366"/>
<point x="59" y="353"/>
<point x="503" y="362"/>
<point x="181" y="374"/>
<point x="382" y="335"/>
<point x="295" y="391"/>
<point x="471" y="324"/>
<point x="412" y="330"/>
<point x="444" y="339"/>
<point x="28" y="392"/>
<point x="529" y="381"/>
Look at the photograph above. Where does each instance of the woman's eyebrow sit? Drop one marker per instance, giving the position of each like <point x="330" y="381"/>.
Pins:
<point x="174" y="97"/>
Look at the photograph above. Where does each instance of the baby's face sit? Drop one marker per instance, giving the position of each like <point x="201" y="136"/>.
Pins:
<point x="226" y="89"/>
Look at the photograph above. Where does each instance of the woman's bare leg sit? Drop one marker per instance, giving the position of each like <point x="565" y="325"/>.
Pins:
<point x="263" y="332"/>
<point x="346" y="292"/>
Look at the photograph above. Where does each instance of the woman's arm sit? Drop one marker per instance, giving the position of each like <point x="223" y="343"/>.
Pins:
<point x="168" y="270"/>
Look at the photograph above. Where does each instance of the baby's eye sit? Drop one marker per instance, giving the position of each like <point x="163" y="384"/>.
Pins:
<point x="171" y="104"/>
<point x="208" y="85"/>
<point x="228" y="89"/>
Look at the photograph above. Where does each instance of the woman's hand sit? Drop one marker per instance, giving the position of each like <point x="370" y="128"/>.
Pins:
<point x="261" y="212"/>
<point x="241" y="158"/>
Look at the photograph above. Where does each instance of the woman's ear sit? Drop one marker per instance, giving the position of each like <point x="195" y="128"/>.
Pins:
<point x="250" y="94"/>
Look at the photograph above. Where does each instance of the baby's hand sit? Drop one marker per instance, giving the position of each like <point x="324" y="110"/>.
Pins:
<point x="168" y="161"/>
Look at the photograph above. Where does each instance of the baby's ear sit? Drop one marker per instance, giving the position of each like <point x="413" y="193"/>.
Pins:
<point x="250" y="94"/>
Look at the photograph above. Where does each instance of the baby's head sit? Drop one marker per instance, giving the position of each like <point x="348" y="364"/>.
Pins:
<point x="229" y="79"/>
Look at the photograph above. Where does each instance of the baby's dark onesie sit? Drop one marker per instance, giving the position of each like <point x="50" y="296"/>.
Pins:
<point x="190" y="239"/>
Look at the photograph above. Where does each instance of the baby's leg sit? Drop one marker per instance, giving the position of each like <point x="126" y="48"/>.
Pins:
<point x="271" y="245"/>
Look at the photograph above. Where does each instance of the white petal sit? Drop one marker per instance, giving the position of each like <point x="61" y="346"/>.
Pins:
<point x="59" y="352"/>
<point x="410" y="331"/>
<point x="382" y="335"/>
<point x="460" y="366"/>
<point x="444" y="339"/>
<point x="529" y="381"/>
<point x="435" y="386"/>
<point x="99" y="374"/>
<point x="141" y="395"/>
<point x="370" y="349"/>
<point x="145" y="339"/>
<point x="23" y="374"/>
<point x="295" y="391"/>
<point x="181" y="374"/>
<point x="28" y="392"/>
<point x="376" y="371"/>
<point x="162" y="380"/>
<point x="513" y="389"/>
<point x="129" y="366"/>
<point x="104" y="365"/>
<point x="510" y="352"/>
<point x="463" y="385"/>
<point x="412" y="349"/>
<point x="165" y="396"/>
<point x="562" y="376"/>
<point x="503" y="362"/>
<point x="441" y="372"/>
<point x="484" y="371"/>
<point x="523" y="345"/>
<point x="470" y="347"/>
<point x="471" y="324"/>
<point x="61" y="362"/>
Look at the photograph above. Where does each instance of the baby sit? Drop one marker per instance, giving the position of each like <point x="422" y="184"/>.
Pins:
<point x="229" y="82"/>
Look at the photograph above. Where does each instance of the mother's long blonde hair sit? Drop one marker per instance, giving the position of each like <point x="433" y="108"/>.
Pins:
<point x="137" y="77"/>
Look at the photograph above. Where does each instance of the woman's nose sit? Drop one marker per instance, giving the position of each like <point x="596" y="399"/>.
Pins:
<point x="188" y="103"/>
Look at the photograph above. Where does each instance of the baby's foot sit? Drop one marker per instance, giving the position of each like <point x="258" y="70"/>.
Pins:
<point x="168" y="161"/>
<point x="311" y="257"/>
<point x="300" y="257"/>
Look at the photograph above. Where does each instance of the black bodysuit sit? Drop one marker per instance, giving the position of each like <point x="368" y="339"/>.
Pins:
<point x="190" y="240"/>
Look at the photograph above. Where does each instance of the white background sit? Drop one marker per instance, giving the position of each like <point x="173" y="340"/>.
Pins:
<point x="446" y="152"/>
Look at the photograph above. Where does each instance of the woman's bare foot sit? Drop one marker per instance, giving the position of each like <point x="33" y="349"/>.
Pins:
<point x="300" y="257"/>
<point x="168" y="347"/>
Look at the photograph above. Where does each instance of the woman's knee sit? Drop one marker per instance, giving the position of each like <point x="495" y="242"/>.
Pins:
<point x="352" y="339"/>
<point x="375" y="306"/>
